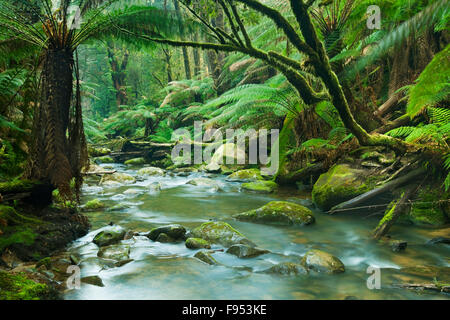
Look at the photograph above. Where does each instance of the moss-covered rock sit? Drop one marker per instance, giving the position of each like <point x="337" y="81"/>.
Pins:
<point x="322" y="261"/>
<point x="104" y="159"/>
<point x="278" y="213"/>
<point x="245" y="175"/>
<point x="206" y="257"/>
<point x="197" y="243"/>
<point x="19" y="287"/>
<point x="339" y="184"/>
<point x="221" y="233"/>
<point x="94" y="204"/>
<point x="427" y="209"/>
<point x="287" y="268"/>
<point x="174" y="231"/>
<point x="151" y="171"/>
<point x="260" y="186"/>
<point x="118" y="252"/>
<point x="117" y="177"/>
<point x="245" y="251"/>
<point x="135" y="161"/>
<point x="110" y="235"/>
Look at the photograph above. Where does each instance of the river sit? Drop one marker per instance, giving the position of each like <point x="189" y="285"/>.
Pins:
<point x="169" y="271"/>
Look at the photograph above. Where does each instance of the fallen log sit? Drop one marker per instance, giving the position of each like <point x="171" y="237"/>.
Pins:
<point x="385" y="107"/>
<point x="392" y="215"/>
<point x="377" y="191"/>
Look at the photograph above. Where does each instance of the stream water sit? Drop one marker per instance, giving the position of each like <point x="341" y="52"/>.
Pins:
<point x="169" y="271"/>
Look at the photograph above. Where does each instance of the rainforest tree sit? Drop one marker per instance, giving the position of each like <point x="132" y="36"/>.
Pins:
<point x="58" y="150"/>
<point x="313" y="53"/>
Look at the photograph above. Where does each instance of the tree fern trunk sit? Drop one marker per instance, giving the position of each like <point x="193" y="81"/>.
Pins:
<point x="50" y="151"/>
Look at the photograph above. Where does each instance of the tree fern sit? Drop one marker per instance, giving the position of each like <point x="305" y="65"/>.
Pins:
<point x="432" y="86"/>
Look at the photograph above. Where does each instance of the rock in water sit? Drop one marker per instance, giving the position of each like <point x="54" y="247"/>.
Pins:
<point x="197" y="243"/>
<point x="278" y="212"/>
<point x="151" y="171"/>
<point x="93" y="280"/>
<point x="287" y="268"/>
<point x="245" y="175"/>
<point x="117" y="177"/>
<point x="244" y="251"/>
<point x="110" y="235"/>
<point x="260" y="186"/>
<point x="221" y="233"/>
<point x="116" y="252"/>
<point x="398" y="245"/>
<point x="174" y="231"/>
<point x="341" y="183"/>
<point x="206" y="257"/>
<point x="204" y="182"/>
<point x="321" y="261"/>
<point x="135" y="161"/>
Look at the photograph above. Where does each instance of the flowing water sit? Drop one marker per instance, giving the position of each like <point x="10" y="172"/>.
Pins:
<point x="169" y="271"/>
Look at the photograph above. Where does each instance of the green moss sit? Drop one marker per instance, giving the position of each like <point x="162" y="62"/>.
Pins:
<point x="221" y="233"/>
<point x="46" y="262"/>
<point x="197" y="243"/>
<point x="19" y="287"/>
<point x="426" y="208"/>
<point x="16" y="186"/>
<point x="339" y="184"/>
<point x="246" y="175"/>
<point x="94" y="204"/>
<point x="260" y="186"/>
<point x="104" y="159"/>
<point x="389" y="212"/>
<point x="278" y="212"/>
<point x="135" y="161"/>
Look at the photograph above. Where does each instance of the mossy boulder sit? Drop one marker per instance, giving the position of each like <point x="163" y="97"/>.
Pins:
<point x="245" y="175"/>
<point x="117" y="178"/>
<point x="221" y="233"/>
<point x="94" y="204"/>
<point x="197" y="243"/>
<point x="245" y="251"/>
<point x="206" y="257"/>
<point x="339" y="184"/>
<point x="118" y="252"/>
<point x="278" y="213"/>
<point x="287" y="268"/>
<point x="427" y="209"/>
<point x="260" y="186"/>
<point x="104" y="159"/>
<point x="151" y="171"/>
<point x="20" y="287"/>
<point x="322" y="261"/>
<point x="110" y="235"/>
<point x="134" y="161"/>
<point x="173" y="231"/>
